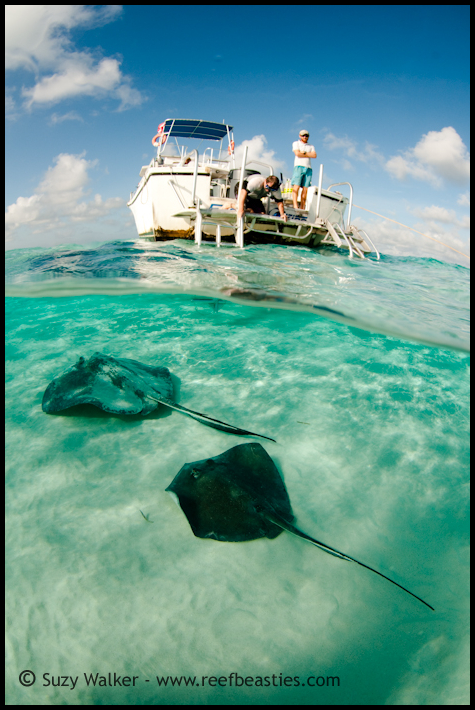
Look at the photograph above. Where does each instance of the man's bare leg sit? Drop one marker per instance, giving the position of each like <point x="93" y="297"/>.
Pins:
<point x="303" y="198"/>
<point x="295" y="194"/>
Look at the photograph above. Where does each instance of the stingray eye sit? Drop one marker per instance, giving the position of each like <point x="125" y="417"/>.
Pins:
<point x="195" y="473"/>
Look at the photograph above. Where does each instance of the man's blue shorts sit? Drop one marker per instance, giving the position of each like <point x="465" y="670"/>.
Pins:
<point x="302" y="176"/>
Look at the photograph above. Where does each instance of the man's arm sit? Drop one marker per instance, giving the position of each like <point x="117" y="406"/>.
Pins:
<point x="310" y="154"/>
<point x="280" y="205"/>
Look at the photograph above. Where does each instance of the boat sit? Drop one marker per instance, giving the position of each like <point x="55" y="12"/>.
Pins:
<point x="183" y="194"/>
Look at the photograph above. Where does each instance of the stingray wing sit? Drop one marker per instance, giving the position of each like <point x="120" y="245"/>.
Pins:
<point x="116" y="385"/>
<point x="253" y="470"/>
<point x="157" y="380"/>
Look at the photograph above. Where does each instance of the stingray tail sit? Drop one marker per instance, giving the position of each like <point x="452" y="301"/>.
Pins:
<point x="209" y="421"/>
<point x="336" y="553"/>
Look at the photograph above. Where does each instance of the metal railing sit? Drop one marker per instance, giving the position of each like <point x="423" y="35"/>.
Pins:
<point x="195" y="175"/>
<point x="338" y="236"/>
<point x="350" y="205"/>
<point x="359" y="232"/>
<point x="239" y="235"/>
<point x="259" y="162"/>
<point x="319" y="196"/>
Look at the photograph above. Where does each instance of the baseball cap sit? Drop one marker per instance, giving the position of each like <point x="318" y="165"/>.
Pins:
<point x="302" y="132"/>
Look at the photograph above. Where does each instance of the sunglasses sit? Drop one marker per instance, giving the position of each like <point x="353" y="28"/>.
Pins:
<point x="305" y="135"/>
<point x="274" y="188"/>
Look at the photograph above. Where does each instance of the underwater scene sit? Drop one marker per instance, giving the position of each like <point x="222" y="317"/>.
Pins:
<point x="345" y="383"/>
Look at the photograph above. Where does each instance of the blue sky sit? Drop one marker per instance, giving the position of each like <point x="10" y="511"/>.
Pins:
<point x="383" y="91"/>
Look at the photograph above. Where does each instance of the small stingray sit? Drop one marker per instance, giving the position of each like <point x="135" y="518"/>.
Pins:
<point x="121" y="386"/>
<point x="239" y="495"/>
<point x="215" y="303"/>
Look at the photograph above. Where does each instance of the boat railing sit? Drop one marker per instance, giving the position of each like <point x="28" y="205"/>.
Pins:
<point x="349" y="241"/>
<point x="241" y="177"/>
<point x="218" y="162"/>
<point x="203" y="156"/>
<point x="359" y="232"/>
<point x="319" y="194"/>
<point x="195" y="175"/>
<point x="350" y="204"/>
<point x="259" y="162"/>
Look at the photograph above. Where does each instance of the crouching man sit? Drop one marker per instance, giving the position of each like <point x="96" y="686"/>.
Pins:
<point x="252" y="192"/>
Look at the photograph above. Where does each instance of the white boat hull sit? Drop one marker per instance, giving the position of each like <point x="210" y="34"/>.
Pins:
<point x="160" y="195"/>
<point x="163" y="194"/>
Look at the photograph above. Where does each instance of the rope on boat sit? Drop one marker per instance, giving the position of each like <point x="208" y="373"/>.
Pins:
<point x="414" y="230"/>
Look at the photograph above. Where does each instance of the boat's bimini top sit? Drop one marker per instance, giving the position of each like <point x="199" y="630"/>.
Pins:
<point x="193" y="128"/>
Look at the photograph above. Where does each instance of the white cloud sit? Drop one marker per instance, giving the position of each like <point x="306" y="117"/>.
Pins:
<point x="439" y="155"/>
<point x="10" y="105"/>
<point x="346" y="165"/>
<point x="440" y="214"/>
<point x="305" y="119"/>
<point x="397" y="240"/>
<point x="80" y="77"/>
<point x="257" y="151"/>
<point x="24" y="211"/>
<point x="401" y="168"/>
<point x="369" y="154"/>
<point x="37" y="40"/>
<point x="464" y="199"/>
<point x="59" y="201"/>
<point x="71" y="116"/>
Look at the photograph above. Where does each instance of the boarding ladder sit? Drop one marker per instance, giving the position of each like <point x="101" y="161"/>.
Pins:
<point x="350" y="237"/>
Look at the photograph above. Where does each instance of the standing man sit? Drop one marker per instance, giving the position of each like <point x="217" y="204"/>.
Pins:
<point x="302" y="175"/>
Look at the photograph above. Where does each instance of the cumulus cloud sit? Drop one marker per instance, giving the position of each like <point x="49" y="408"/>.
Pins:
<point x="70" y="116"/>
<point x="257" y="150"/>
<point x="37" y="40"/>
<point x="59" y="201"/>
<point x="368" y="154"/>
<point x="440" y="214"/>
<point x="10" y="104"/>
<point x="438" y="156"/>
<point x="397" y="240"/>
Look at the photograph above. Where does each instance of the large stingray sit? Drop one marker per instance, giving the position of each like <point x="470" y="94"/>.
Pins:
<point x="121" y="386"/>
<point x="239" y="495"/>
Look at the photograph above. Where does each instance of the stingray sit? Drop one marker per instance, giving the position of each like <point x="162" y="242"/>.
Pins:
<point x="239" y="495"/>
<point x="121" y="386"/>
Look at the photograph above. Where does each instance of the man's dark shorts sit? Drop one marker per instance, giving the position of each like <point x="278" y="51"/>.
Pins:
<point x="254" y="204"/>
<point x="251" y="203"/>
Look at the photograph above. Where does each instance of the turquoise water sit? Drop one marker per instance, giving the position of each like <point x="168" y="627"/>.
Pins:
<point x="347" y="365"/>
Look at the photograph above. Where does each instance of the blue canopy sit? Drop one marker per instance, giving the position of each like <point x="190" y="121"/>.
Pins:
<point x="192" y="128"/>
